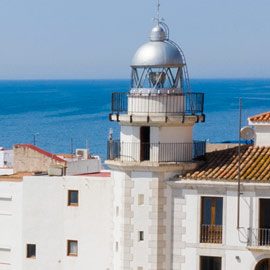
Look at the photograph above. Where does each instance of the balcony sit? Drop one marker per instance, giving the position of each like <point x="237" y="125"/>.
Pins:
<point x="211" y="234"/>
<point x="180" y="104"/>
<point x="155" y="152"/>
<point x="259" y="238"/>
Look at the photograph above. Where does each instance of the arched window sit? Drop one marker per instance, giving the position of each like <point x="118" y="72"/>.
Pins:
<point x="263" y="265"/>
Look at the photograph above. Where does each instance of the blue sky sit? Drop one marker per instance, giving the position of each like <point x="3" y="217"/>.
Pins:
<point x="86" y="39"/>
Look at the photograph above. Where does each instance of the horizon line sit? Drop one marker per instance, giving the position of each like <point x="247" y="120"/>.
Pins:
<point x="127" y="79"/>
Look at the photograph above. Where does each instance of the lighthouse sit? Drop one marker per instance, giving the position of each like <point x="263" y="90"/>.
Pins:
<point x="157" y="116"/>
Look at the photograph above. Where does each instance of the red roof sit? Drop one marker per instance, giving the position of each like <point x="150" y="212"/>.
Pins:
<point x="223" y="165"/>
<point x="263" y="117"/>
<point x="35" y="148"/>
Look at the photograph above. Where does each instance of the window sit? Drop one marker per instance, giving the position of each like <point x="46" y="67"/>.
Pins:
<point x="31" y="251"/>
<point x="211" y="220"/>
<point x="73" y="197"/>
<point x="140" y="268"/>
<point x="210" y="263"/>
<point x="141" y="236"/>
<point x="72" y="248"/>
<point x="140" y="199"/>
<point x="145" y="143"/>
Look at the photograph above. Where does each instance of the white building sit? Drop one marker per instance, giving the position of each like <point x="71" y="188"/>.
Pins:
<point x="6" y="161"/>
<point x="165" y="205"/>
<point x="56" y="222"/>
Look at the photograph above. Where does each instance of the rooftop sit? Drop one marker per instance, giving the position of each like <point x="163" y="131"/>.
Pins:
<point x="35" y="148"/>
<point x="223" y="165"/>
<point x="263" y="117"/>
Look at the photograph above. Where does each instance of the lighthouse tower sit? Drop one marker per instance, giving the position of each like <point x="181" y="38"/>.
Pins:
<point x="156" y="143"/>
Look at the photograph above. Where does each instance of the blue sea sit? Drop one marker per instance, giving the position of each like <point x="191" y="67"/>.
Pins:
<point x="77" y="110"/>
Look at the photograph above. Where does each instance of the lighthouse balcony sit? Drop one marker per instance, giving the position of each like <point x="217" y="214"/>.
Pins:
<point x="155" y="152"/>
<point x="129" y="106"/>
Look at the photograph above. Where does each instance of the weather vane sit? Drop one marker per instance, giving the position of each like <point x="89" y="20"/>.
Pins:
<point x="158" y="18"/>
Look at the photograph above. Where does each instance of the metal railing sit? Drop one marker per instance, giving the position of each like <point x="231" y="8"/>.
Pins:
<point x="259" y="237"/>
<point x="211" y="234"/>
<point x="185" y="103"/>
<point x="156" y="152"/>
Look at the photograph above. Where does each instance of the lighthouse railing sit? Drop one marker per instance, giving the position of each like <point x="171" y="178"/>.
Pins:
<point x="155" y="152"/>
<point x="184" y="103"/>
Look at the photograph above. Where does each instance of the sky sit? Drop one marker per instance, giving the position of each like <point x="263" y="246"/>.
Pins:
<point x="87" y="39"/>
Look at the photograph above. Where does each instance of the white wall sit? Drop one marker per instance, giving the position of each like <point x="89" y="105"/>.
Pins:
<point x="83" y="166"/>
<point x="262" y="135"/>
<point x="48" y="222"/>
<point x="187" y="214"/>
<point x="10" y="225"/>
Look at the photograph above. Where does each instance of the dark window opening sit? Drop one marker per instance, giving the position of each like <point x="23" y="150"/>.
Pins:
<point x="141" y="236"/>
<point x="264" y="222"/>
<point x="263" y="265"/>
<point x="145" y="143"/>
<point x="72" y="248"/>
<point x="73" y="198"/>
<point x="210" y="263"/>
<point x="31" y="251"/>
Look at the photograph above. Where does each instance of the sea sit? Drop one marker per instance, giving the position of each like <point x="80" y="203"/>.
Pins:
<point x="62" y="115"/>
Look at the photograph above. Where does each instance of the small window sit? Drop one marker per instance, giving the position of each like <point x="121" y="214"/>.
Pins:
<point x="140" y="268"/>
<point x="210" y="263"/>
<point x="73" y="197"/>
<point x="31" y="251"/>
<point x="140" y="199"/>
<point x="141" y="236"/>
<point x="72" y="248"/>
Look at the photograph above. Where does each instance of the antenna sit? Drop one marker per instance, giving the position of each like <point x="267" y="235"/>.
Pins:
<point x="158" y="18"/>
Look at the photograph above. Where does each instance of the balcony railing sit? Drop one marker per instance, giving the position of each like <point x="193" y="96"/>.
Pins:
<point x="211" y="234"/>
<point x="156" y="152"/>
<point x="184" y="104"/>
<point x="259" y="237"/>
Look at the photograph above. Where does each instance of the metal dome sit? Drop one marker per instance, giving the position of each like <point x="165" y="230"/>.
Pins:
<point x="159" y="52"/>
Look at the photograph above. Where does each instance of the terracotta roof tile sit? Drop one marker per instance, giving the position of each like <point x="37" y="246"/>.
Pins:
<point x="223" y="165"/>
<point x="35" y="148"/>
<point x="263" y="117"/>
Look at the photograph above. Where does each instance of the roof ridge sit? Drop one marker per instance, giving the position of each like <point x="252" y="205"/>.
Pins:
<point x="35" y="148"/>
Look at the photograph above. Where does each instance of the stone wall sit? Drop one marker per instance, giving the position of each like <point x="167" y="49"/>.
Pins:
<point x="27" y="159"/>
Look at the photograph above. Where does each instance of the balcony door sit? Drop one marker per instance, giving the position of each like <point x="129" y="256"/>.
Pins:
<point x="211" y="220"/>
<point x="145" y="143"/>
<point x="264" y="222"/>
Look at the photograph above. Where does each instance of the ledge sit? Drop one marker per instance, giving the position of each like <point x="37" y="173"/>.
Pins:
<point x="259" y="248"/>
<point x="157" y="119"/>
<point x="149" y="166"/>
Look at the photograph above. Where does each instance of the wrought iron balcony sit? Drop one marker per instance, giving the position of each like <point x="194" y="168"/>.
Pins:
<point x="211" y="234"/>
<point x="259" y="238"/>
<point x="155" y="152"/>
<point x="183" y="104"/>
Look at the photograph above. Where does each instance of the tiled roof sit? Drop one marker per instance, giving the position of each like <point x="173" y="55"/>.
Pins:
<point x="263" y="117"/>
<point x="223" y="165"/>
<point x="35" y="148"/>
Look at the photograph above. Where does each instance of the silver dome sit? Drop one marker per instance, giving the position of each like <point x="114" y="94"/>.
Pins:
<point x="157" y="54"/>
<point x="158" y="34"/>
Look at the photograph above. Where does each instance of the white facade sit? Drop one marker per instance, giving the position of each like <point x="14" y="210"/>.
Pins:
<point x="36" y="211"/>
<point x="11" y="225"/>
<point x="235" y="251"/>
<point x="262" y="137"/>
